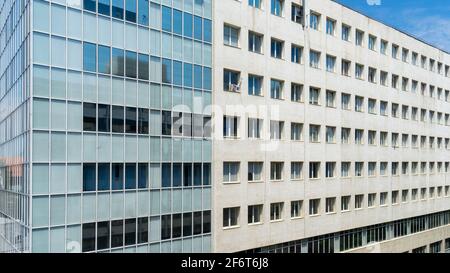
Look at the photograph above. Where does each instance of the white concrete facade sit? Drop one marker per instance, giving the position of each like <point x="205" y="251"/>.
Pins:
<point x="241" y="193"/>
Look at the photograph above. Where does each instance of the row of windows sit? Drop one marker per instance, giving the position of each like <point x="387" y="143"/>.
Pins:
<point x="255" y="170"/>
<point x="315" y="22"/>
<point x="119" y="233"/>
<point x="143" y="13"/>
<point x="106" y="60"/>
<point x="350" y="239"/>
<point x="232" y="83"/>
<point x="232" y="78"/>
<point x="131" y="120"/>
<point x="255" y="213"/>
<point x="231" y="130"/>
<point x="117" y="176"/>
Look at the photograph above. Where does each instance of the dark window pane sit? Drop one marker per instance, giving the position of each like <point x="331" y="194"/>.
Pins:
<point x="207" y="32"/>
<point x="89" y="5"/>
<point x="206" y="173"/>
<point x="176" y="225"/>
<point x="166" y="123"/>
<point x="130" y="231"/>
<point x="117" y="119"/>
<point x="166" y="71"/>
<point x="143" y="12"/>
<point x="131" y="64"/>
<point x="166" y="18"/>
<point x="103" y="118"/>
<point x="207" y="221"/>
<point x="177" y="22"/>
<point x="102" y="235"/>
<point x="177" y="174"/>
<point x="187" y="224"/>
<point x="142" y="230"/>
<point x="197" y="222"/>
<point x="165" y="227"/>
<point x="131" y="120"/>
<point x="207" y="78"/>
<point x="187" y="75"/>
<point x="130" y="10"/>
<point x="143" y="67"/>
<point x="177" y="73"/>
<point x="104" y="59"/>
<point x="117" y="176"/>
<point x="197" y="174"/>
<point x="188" y="24"/>
<point x="187" y="124"/>
<point x="117" y="233"/>
<point x="89" y="117"/>
<point x="117" y="62"/>
<point x="89" y="177"/>
<point x="89" y="57"/>
<point x="130" y="176"/>
<point x="198" y="28"/>
<point x="198" y="76"/>
<point x="143" y="121"/>
<point x="117" y="9"/>
<point x="103" y="7"/>
<point x="88" y="237"/>
<point x="143" y="175"/>
<point x="103" y="177"/>
<point x="166" y="175"/>
<point x="187" y="174"/>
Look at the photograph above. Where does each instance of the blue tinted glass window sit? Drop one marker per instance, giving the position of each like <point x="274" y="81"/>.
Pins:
<point x="131" y="64"/>
<point x="187" y="174"/>
<point x="143" y="12"/>
<point x="165" y="175"/>
<point x="207" y="33"/>
<point x="206" y="174"/>
<point x="103" y="177"/>
<point x="117" y="9"/>
<point x="143" y="175"/>
<point x="143" y="121"/>
<point x="89" y="117"/>
<point x="143" y="68"/>
<point x="89" y="57"/>
<point x="130" y="176"/>
<point x="177" y="175"/>
<point x="166" y="71"/>
<point x="130" y="10"/>
<point x="104" y="59"/>
<point x="89" y="177"/>
<point x="117" y="176"/>
<point x="90" y="5"/>
<point x="130" y="120"/>
<point x="207" y="81"/>
<point x="117" y="119"/>
<point x="103" y="7"/>
<point x="103" y="115"/>
<point x="118" y="62"/>
<point x="188" y="24"/>
<point x="166" y="18"/>
<point x="198" y="33"/>
<point x="197" y="174"/>
<point x="177" y="22"/>
<point x="187" y="75"/>
<point x="197" y="76"/>
<point x="177" y="73"/>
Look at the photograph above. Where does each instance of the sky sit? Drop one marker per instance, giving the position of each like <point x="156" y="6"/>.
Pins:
<point x="428" y="20"/>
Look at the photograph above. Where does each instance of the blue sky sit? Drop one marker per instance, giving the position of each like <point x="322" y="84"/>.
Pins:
<point x="426" y="19"/>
